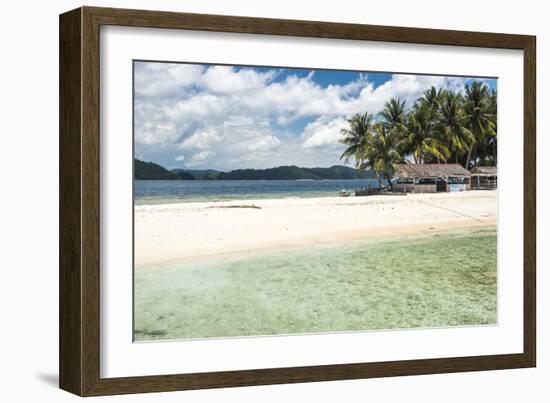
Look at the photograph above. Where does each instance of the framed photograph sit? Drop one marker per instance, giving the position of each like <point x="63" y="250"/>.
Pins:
<point x="248" y="201"/>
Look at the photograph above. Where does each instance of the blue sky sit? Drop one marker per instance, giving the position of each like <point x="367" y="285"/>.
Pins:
<point x="226" y="117"/>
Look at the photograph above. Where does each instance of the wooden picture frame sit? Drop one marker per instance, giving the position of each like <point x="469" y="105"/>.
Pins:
<point x="79" y="348"/>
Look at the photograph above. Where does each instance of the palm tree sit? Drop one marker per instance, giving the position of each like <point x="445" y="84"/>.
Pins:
<point x="491" y="141"/>
<point x="382" y="152"/>
<point x="394" y="113"/>
<point x="356" y="137"/>
<point x="424" y="134"/>
<point x="487" y="150"/>
<point x="431" y="97"/>
<point x="373" y="146"/>
<point x="453" y="121"/>
<point x="394" y="117"/>
<point x="480" y="119"/>
<point x="441" y="125"/>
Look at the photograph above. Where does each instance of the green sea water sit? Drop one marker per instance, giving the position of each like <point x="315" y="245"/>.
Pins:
<point x="438" y="280"/>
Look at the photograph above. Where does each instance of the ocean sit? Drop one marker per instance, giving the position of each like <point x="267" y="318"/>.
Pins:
<point x="175" y="191"/>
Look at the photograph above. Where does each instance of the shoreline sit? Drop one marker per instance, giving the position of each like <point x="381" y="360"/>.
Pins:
<point x="197" y="230"/>
<point x="379" y="237"/>
<point x="158" y="201"/>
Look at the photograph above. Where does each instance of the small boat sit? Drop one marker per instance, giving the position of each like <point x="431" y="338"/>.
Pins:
<point x="344" y="193"/>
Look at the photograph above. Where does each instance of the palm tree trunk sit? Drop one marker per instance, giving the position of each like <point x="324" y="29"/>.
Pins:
<point x="379" y="180"/>
<point x="467" y="164"/>
<point x="388" y="178"/>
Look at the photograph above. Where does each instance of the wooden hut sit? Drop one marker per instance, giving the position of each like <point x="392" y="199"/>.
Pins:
<point x="484" y="177"/>
<point x="431" y="178"/>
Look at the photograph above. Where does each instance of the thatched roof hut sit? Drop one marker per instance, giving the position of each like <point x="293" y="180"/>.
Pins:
<point x="484" y="170"/>
<point x="431" y="178"/>
<point x="484" y="177"/>
<point x="430" y="170"/>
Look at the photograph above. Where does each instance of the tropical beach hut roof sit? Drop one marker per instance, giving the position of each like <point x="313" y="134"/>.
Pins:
<point x="484" y="170"/>
<point x="430" y="170"/>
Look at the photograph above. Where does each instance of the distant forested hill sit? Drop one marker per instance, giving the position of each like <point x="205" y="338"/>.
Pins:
<point x="294" y="173"/>
<point x="284" y="172"/>
<point x="340" y="172"/>
<point x="205" y="174"/>
<point x="183" y="174"/>
<point x="150" y="170"/>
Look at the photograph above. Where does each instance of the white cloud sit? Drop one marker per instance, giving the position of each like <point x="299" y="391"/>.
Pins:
<point x="240" y="113"/>
<point x="264" y="143"/>
<point x="165" y="79"/>
<point x="196" y="108"/>
<point x="323" y="132"/>
<point x="198" y="158"/>
<point x="154" y="132"/>
<point x="202" y="139"/>
<point x="228" y="80"/>
<point x="180" y="158"/>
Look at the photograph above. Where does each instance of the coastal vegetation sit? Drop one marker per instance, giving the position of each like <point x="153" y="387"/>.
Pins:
<point x="294" y="173"/>
<point x="203" y="174"/>
<point x="151" y="170"/>
<point x="183" y="174"/>
<point x="442" y="126"/>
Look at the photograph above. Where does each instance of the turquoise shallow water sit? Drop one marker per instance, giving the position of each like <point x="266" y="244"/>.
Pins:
<point x="446" y="279"/>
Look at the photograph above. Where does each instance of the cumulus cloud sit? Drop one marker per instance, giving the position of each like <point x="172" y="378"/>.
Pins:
<point x="264" y="143"/>
<point x="197" y="158"/>
<point x="165" y="79"/>
<point x="156" y="132"/>
<point x="227" y="80"/>
<point x="323" y="132"/>
<point x="202" y="139"/>
<point x="226" y="117"/>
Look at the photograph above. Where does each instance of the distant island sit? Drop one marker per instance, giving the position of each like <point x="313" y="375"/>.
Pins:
<point x="153" y="171"/>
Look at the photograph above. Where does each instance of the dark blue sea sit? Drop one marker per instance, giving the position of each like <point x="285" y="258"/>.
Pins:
<point x="176" y="191"/>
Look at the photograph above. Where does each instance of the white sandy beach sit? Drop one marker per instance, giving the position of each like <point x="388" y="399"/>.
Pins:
<point x="171" y="232"/>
